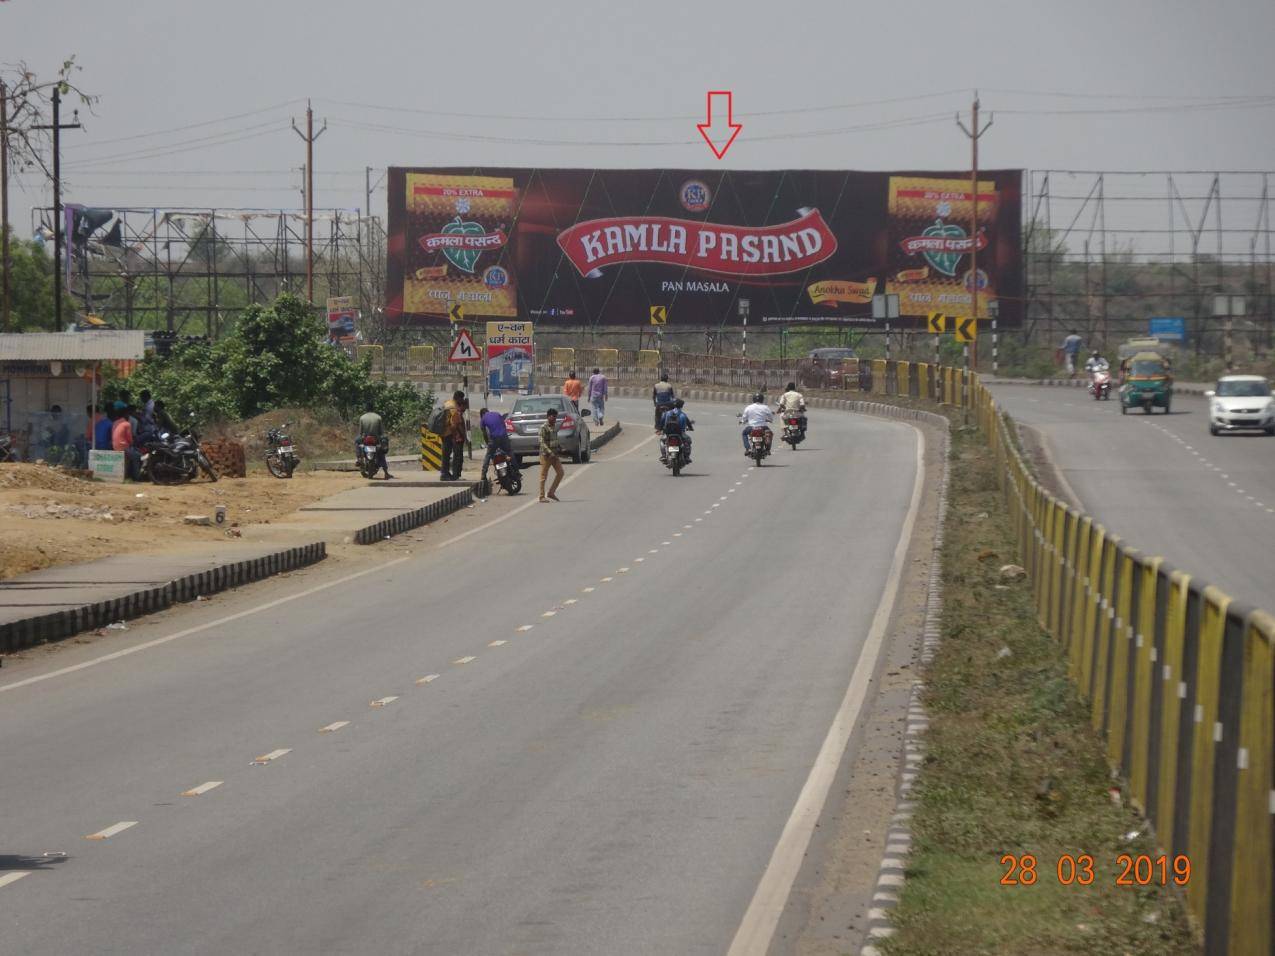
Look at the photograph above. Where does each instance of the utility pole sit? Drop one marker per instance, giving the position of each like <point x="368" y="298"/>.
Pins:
<point x="4" y="205"/>
<point x="975" y="133"/>
<point x="309" y="136"/>
<point x="57" y="127"/>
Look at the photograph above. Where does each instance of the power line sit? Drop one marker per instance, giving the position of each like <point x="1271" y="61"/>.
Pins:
<point x="188" y="126"/>
<point x="194" y="145"/>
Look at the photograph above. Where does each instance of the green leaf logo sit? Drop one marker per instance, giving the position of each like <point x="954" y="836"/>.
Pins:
<point x="464" y="259"/>
<point x="944" y="262"/>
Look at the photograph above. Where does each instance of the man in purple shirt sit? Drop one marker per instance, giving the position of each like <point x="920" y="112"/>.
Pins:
<point x="496" y="434"/>
<point x="598" y="394"/>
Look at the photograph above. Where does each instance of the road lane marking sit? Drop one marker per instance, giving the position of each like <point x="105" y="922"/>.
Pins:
<point x="701" y="519"/>
<point x="607" y="580"/>
<point x="624" y="570"/>
<point x="13" y="877"/>
<point x="757" y="928"/>
<point x="465" y="660"/>
<point x="667" y="542"/>
<point x="654" y="551"/>
<point x="722" y="498"/>
<point x="497" y="643"/>
<point x="707" y="513"/>
<point x="570" y="601"/>
<point x="112" y="830"/>
<point x="677" y="534"/>
<point x="382" y="701"/>
<point x="526" y="627"/>
<point x="589" y="590"/>
<point x="548" y="613"/>
<point x="716" y="504"/>
<point x="334" y="726"/>
<point x="427" y="679"/>
<point x="202" y="788"/>
<point x="273" y="755"/>
<point x="686" y="527"/>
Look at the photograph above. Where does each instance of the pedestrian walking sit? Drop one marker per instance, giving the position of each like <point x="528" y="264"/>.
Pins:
<point x="453" y="438"/>
<point x="1071" y="349"/>
<point x="573" y="388"/>
<point x="598" y="394"/>
<point x="550" y="455"/>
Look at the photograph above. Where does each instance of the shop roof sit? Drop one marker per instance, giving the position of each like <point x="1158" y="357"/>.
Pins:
<point x="96" y="346"/>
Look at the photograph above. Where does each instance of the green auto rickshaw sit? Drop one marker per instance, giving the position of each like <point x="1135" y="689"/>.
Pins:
<point x="1147" y="383"/>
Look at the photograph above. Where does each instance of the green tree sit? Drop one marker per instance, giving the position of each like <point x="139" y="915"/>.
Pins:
<point x="30" y="285"/>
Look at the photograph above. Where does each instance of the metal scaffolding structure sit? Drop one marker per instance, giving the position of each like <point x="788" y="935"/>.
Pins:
<point x="189" y="270"/>
<point x="1106" y="251"/>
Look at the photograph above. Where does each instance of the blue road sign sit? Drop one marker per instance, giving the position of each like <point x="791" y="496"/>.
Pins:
<point x="1168" y="328"/>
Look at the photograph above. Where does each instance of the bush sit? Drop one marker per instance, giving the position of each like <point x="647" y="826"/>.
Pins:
<point x="275" y="357"/>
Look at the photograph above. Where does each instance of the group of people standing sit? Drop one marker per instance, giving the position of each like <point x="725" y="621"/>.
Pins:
<point x="124" y="426"/>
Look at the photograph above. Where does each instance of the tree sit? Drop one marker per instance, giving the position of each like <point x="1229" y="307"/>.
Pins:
<point x="30" y="285"/>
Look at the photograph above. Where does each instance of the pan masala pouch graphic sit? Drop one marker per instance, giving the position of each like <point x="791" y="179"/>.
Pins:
<point x="930" y="244"/>
<point x="457" y="235"/>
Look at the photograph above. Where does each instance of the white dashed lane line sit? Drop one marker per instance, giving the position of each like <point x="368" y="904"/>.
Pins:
<point x="13" y="877"/>
<point x="202" y="788"/>
<point x="273" y="755"/>
<point x="428" y="678"/>
<point x="526" y="627"/>
<point x="112" y="830"/>
<point x="497" y="643"/>
<point x="624" y="571"/>
<point x="465" y="660"/>
<point x="382" y="702"/>
<point x="607" y="580"/>
<point x="588" y="590"/>
<point x="549" y="614"/>
<point x="334" y="726"/>
<point x="570" y="601"/>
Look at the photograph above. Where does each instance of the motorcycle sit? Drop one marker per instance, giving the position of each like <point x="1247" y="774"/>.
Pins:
<point x="367" y="447"/>
<point x="508" y="476"/>
<point x="673" y="453"/>
<point x="1100" y="384"/>
<point x="281" y="455"/>
<point x="759" y="443"/>
<point x="175" y="458"/>
<point x="793" y="433"/>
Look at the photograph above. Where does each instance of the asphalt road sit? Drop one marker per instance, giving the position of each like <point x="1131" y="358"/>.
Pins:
<point x="579" y="730"/>
<point x="1164" y="484"/>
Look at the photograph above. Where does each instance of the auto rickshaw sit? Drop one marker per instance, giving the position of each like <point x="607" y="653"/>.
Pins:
<point x="1148" y="383"/>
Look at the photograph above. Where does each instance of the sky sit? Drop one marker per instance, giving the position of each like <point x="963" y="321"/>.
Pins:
<point x="1082" y="84"/>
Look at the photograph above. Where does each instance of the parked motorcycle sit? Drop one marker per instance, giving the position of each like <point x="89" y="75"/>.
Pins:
<point x="507" y="475"/>
<point x="367" y="447"/>
<point x="793" y="433"/>
<point x="174" y="458"/>
<point x="1100" y="385"/>
<point x="673" y="453"/>
<point x="759" y="443"/>
<point x="281" y="454"/>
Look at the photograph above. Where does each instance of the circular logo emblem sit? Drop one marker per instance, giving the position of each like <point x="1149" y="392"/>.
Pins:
<point x="495" y="277"/>
<point x="943" y="209"/>
<point x="462" y="205"/>
<point x="694" y="195"/>
<point x="969" y="281"/>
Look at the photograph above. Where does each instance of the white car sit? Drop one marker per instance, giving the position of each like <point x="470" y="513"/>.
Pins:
<point x="1240" y="402"/>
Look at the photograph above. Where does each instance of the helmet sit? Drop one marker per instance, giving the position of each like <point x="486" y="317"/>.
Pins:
<point x="678" y="403"/>
<point x="1095" y="353"/>
<point x="759" y="397"/>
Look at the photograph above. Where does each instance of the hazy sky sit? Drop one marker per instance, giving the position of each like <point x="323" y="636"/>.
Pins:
<point x="162" y="64"/>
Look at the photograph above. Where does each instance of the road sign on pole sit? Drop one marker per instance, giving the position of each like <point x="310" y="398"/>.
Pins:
<point x="966" y="328"/>
<point x="659" y="314"/>
<point x="463" y="349"/>
<point x="456" y="313"/>
<point x="936" y="323"/>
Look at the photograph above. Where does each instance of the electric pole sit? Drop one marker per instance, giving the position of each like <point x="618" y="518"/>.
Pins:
<point x="309" y="136"/>
<point x="4" y="204"/>
<point x="975" y="133"/>
<point x="57" y="127"/>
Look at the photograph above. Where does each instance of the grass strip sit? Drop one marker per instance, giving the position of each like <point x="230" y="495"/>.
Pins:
<point x="1013" y="767"/>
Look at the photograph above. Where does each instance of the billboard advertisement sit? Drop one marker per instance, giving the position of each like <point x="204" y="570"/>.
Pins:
<point x="511" y="354"/>
<point x="579" y="248"/>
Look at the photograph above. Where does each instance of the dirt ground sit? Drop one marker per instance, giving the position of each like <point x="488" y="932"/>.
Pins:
<point x="52" y="517"/>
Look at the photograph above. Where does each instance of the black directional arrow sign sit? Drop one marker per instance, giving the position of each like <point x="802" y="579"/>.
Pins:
<point x="937" y="322"/>
<point x="457" y="312"/>
<point x="966" y="329"/>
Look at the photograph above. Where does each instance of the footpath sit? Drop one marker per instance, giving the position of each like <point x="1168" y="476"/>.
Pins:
<point x="62" y="601"/>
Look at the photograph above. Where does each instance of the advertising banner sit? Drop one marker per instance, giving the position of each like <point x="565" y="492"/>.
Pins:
<point x="578" y="248"/>
<point x="511" y="354"/>
<point x="341" y="316"/>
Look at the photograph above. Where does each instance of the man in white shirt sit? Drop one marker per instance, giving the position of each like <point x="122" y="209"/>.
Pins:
<point x="755" y="415"/>
<point x="1096" y="363"/>
<point x="792" y="402"/>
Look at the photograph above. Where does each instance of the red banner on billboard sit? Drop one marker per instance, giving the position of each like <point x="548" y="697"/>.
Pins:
<point x="714" y="247"/>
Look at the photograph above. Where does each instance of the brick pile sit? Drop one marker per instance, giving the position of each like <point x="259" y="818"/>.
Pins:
<point x="227" y="458"/>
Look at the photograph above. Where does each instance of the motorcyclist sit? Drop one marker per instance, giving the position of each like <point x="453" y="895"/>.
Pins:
<point x="676" y="422"/>
<point x="370" y="423"/>
<point x="792" y="402"/>
<point x="758" y="414"/>
<point x="1096" y="363"/>
<point x="662" y="396"/>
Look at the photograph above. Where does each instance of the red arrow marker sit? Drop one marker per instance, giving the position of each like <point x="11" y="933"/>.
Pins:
<point x="718" y="132"/>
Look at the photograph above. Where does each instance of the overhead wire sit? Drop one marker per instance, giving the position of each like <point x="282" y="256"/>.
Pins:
<point x="181" y="129"/>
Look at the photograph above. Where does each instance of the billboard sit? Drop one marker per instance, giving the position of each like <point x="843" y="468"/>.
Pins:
<point x="577" y="248"/>
<point x="511" y="354"/>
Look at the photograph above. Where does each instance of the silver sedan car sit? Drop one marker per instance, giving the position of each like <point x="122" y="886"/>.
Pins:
<point x="530" y="412"/>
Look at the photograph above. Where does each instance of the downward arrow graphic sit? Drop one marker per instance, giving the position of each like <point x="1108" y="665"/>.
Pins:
<point x="719" y="131"/>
